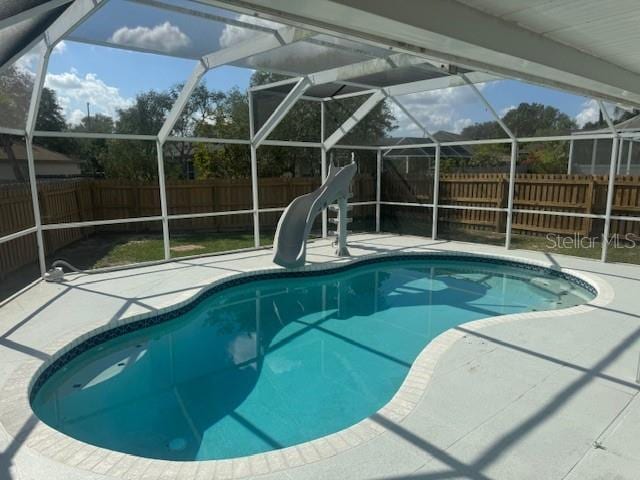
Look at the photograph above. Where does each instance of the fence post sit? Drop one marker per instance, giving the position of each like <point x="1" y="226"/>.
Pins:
<point x="512" y="188"/>
<point x="589" y="199"/>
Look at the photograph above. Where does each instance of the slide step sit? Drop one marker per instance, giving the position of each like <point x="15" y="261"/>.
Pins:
<point x="334" y="207"/>
<point x="335" y="220"/>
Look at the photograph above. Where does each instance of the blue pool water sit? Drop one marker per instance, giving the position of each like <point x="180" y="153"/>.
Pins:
<point x="272" y="363"/>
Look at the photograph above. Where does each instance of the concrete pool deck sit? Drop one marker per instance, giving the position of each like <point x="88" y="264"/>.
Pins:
<point x="549" y="397"/>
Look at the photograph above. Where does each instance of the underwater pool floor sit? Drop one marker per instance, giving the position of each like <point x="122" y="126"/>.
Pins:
<point x="496" y="398"/>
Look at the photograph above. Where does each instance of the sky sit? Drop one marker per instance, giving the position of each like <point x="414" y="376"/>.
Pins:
<point x="109" y="78"/>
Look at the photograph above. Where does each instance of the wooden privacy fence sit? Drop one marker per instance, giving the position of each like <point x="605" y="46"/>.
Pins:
<point x="67" y="201"/>
<point x="551" y="192"/>
<point x="86" y="199"/>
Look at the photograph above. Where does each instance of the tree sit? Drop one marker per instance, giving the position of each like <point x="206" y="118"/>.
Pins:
<point x="527" y="120"/>
<point x="51" y="119"/>
<point x="231" y="121"/>
<point x="15" y="94"/>
<point x="136" y="160"/>
<point x="94" y="152"/>
<point x="201" y="109"/>
<point x="50" y="116"/>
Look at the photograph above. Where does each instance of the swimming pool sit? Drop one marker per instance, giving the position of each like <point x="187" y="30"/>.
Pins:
<point x="261" y="364"/>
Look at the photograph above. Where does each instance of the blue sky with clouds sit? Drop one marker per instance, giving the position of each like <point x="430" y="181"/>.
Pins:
<point x="109" y="78"/>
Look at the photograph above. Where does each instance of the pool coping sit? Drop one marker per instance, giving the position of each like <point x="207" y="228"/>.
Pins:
<point x="15" y="407"/>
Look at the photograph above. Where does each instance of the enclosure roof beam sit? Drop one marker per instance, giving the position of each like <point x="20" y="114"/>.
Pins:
<point x="354" y="119"/>
<point x="368" y="67"/>
<point x="259" y="43"/>
<point x="486" y="103"/>
<point x="419" y="124"/>
<point x="606" y="116"/>
<point x="281" y="110"/>
<point x="437" y="84"/>
<point x="36" y="93"/>
<point x="75" y="14"/>
<point x="32" y="12"/>
<point x="354" y="70"/>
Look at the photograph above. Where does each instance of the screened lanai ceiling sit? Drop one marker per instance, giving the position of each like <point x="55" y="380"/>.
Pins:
<point x="584" y="46"/>
<point x="197" y="30"/>
<point x="23" y="21"/>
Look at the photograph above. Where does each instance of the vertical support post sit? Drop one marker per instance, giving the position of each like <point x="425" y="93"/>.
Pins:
<point x="512" y="189"/>
<point x="378" y="187"/>
<point x="32" y="116"/>
<point x="323" y="167"/>
<point x="570" y="164"/>
<point x="610" y="191"/>
<point x="594" y="154"/>
<point x="628" y="171"/>
<point x="341" y="248"/>
<point x="254" y="176"/>
<point x="436" y="192"/>
<point x="638" y="372"/>
<point x="36" y="206"/>
<point x="164" y="211"/>
<point x="619" y="161"/>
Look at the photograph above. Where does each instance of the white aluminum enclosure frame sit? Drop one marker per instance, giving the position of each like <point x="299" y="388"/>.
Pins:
<point x="268" y="41"/>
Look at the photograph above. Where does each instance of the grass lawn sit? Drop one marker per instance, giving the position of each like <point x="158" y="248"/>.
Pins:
<point x="107" y="250"/>
<point x="542" y="244"/>
<point x="145" y="248"/>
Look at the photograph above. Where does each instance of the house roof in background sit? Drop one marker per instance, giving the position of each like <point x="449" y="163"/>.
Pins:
<point x="40" y="154"/>
<point x="629" y="125"/>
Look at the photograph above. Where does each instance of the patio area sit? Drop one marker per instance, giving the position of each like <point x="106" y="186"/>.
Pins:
<point x="539" y="395"/>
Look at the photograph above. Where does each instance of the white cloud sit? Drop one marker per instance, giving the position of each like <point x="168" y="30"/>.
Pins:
<point x="75" y="117"/>
<point x="74" y="91"/>
<point x="506" y="110"/>
<point x="60" y="48"/>
<point x="436" y="110"/>
<point x="165" y="37"/>
<point x="233" y="34"/>
<point x="28" y="62"/>
<point x="590" y="113"/>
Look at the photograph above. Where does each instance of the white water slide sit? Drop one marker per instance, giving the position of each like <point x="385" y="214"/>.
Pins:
<point x="290" y="243"/>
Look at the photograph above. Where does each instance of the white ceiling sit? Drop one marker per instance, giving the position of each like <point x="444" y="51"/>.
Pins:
<point x="608" y="29"/>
